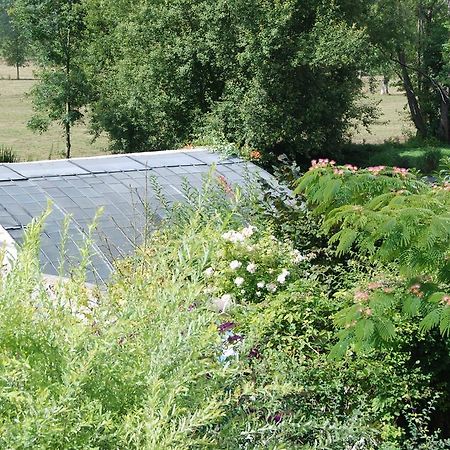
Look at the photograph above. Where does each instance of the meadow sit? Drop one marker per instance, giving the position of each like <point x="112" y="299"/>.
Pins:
<point x="392" y="125"/>
<point x="16" y="110"/>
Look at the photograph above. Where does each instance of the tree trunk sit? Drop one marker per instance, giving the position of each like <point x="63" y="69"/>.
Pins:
<point x="414" y="108"/>
<point x="67" y="131"/>
<point x="384" y="86"/>
<point x="444" y="125"/>
<point x="17" y="71"/>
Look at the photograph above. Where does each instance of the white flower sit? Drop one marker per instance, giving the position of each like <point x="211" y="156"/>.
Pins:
<point x="297" y="257"/>
<point x="223" y="303"/>
<point x="251" y="268"/>
<point x="282" y="277"/>
<point x="235" y="265"/>
<point x="228" y="352"/>
<point x="248" y="231"/>
<point x="239" y="281"/>
<point x="258" y="293"/>
<point x="233" y="236"/>
<point x="209" y="271"/>
<point x="261" y="284"/>
<point x="271" y="287"/>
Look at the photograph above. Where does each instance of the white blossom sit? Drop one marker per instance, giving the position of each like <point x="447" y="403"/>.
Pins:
<point x="209" y="271"/>
<point x="271" y="287"/>
<point x="248" y="231"/>
<point x="260" y="284"/>
<point x="282" y="277"/>
<point x="223" y="303"/>
<point x="251" y="268"/>
<point x="235" y="264"/>
<point x="233" y="236"/>
<point x="297" y="257"/>
<point x="239" y="281"/>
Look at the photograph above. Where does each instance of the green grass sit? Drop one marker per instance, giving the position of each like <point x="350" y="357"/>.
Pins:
<point x="16" y="110"/>
<point x="393" y="122"/>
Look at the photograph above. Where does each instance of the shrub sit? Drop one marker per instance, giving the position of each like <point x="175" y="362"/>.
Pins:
<point x="7" y="155"/>
<point x="431" y="160"/>
<point x="149" y="364"/>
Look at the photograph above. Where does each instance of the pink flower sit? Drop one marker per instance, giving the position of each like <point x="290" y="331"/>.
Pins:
<point x="400" y="171"/>
<point x="375" y="170"/>
<point x="361" y="296"/>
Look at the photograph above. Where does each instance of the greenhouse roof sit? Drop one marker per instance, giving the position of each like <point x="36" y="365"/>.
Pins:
<point x="120" y="184"/>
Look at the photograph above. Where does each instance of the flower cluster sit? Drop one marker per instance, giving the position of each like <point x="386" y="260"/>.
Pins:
<point x="375" y="170"/>
<point x="255" y="154"/>
<point x="415" y="289"/>
<point x="250" y="265"/>
<point x="400" y="171"/>
<point x="229" y="343"/>
<point x="239" y="236"/>
<point x="322" y="162"/>
<point x="350" y="167"/>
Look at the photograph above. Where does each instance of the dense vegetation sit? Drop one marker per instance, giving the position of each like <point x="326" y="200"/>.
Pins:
<point x="281" y="77"/>
<point x="314" y="317"/>
<point x="245" y="322"/>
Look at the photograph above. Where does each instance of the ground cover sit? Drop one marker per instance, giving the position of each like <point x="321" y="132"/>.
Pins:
<point x="220" y="331"/>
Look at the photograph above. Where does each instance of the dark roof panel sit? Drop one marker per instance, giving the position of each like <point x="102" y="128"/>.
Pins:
<point x="110" y="165"/>
<point x="47" y="169"/>
<point x="7" y="174"/>
<point x="122" y="185"/>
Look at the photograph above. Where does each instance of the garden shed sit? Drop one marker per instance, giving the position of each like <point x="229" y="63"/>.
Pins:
<point x="120" y="184"/>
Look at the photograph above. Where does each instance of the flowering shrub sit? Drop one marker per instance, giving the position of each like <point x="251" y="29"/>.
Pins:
<point x="152" y="366"/>
<point x="248" y="265"/>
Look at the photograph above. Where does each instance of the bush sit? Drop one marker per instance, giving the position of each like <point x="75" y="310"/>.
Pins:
<point x="7" y="155"/>
<point x="150" y="363"/>
<point x="431" y="160"/>
<point x="204" y="70"/>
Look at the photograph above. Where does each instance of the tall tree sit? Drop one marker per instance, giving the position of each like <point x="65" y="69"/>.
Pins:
<point x="279" y="76"/>
<point x="14" y="43"/>
<point x="56" y="28"/>
<point x="412" y="35"/>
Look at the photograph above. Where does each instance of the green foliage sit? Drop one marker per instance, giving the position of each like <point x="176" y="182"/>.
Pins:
<point x="149" y="364"/>
<point x="56" y="29"/>
<point x="14" y="42"/>
<point x="397" y="220"/>
<point x="253" y="73"/>
<point x="7" y="155"/>
<point x="411" y="37"/>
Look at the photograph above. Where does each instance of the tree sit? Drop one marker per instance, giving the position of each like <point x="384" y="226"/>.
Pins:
<point x="56" y="28"/>
<point x="277" y="76"/>
<point x="14" y="44"/>
<point x="412" y="36"/>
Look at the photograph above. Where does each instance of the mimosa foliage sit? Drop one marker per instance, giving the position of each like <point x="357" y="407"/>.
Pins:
<point x="396" y="219"/>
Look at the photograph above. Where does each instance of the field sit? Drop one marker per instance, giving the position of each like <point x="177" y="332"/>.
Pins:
<point x="393" y="122"/>
<point x="15" y="111"/>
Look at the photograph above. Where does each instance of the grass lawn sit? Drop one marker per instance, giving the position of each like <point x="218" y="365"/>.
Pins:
<point x="15" y="111"/>
<point x="393" y="123"/>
